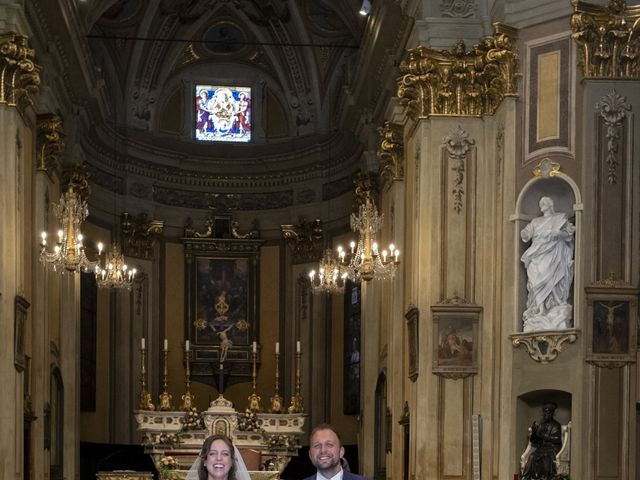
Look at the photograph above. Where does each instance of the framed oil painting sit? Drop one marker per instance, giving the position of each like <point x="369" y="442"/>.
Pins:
<point x="455" y="338"/>
<point x="611" y="323"/>
<point x="221" y="314"/>
<point x="20" y="319"/>
<point x="351" y="375"/>
<point x="413" y="317"/>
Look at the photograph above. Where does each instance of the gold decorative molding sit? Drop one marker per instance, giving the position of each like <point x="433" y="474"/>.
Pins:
<point x="460" y="82"/>
<point x="188" y="56"/>
<point x="19" y="75"/>
<point x="608" y="37"/>
<point x="139" y="234"/>
<point x="50" y="143"/>
<point x="546" y="168"/>
<point x="305" y="240"/>
<point x="391" y="152"/>
<point x="544" y="347"/>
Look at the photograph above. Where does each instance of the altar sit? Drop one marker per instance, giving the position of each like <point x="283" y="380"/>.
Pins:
<point x="173" y="439"/>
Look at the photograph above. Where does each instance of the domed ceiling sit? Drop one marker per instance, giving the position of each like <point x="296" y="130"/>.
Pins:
<point x="142" y="68"/>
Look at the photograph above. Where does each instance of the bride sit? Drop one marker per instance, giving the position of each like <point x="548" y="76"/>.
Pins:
<point x="219" y="459"/>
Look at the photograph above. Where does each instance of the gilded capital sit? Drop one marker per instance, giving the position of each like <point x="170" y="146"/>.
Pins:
<point x="306" y="240"/>
<point x="460" y="82"/>
<point x="49" y="142"/>
<point x="391" y="152"/>
<point x="20" y="76"/>
<point x="608" y="38"/>
<point x="138" y="234"/>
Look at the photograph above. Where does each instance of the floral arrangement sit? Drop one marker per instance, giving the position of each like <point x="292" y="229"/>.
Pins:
<point x="166" y="467"/>
<point x="282" y="442"/>
<point x="248" y="422"/>
<point x="192" y="420"/>
<point x="162" y="439"/>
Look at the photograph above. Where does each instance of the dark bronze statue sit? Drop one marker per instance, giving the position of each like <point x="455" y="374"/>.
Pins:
<point x="546" y="437"/>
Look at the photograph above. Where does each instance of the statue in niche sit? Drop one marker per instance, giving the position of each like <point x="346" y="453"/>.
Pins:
<point x="549" y="264"/>
<point x="546" y="438"/>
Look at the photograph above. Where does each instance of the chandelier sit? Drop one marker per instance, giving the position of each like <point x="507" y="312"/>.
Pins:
<point x="365" y="260"/>
<point x="331" y="276"/>
<point x="68" y="254"/>
<point x="112" y="271"/>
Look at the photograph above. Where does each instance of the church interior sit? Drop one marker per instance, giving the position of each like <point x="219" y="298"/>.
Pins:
<point x="415" y="220"/>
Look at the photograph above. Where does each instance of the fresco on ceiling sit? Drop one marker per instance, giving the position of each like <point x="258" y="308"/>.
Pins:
<point x="223" y="114"/>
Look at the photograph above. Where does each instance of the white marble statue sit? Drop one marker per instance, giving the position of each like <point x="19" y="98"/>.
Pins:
<point x="549" y="264"/>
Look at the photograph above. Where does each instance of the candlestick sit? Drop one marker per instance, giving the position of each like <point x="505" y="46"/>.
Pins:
<point x="142" y="344"/>
<point x="276" y="400"/>
<point x="165" y="397"/>
<point x="221" y="379"/>
<point x="254" y="398"/>
<point x="187" y="397"/>
<point x="296" y="399"/>
<point x="254" y="347"/>
<point x="145" y="402"/>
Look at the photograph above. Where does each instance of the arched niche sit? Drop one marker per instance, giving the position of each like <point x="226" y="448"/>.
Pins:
<point x="566" y="198"/>
<point x="529" y="409"/>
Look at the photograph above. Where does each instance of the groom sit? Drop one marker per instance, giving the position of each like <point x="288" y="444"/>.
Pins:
<point x="325" y="452"/>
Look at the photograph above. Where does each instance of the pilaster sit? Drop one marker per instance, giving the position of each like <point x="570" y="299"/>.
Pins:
<point x="70" y="370"/>
<point x="460" y="141"/>
<point x="612" y="202"/>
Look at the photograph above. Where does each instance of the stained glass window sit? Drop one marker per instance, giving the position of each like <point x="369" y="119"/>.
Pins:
<point x="223" y="114"/>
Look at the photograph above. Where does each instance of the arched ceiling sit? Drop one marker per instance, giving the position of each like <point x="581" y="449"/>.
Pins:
<point x="125" y="71"/>
<point x="296" y="56"/>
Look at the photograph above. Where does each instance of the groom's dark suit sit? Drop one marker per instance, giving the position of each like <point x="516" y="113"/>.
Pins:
<point x="345" y="476"/>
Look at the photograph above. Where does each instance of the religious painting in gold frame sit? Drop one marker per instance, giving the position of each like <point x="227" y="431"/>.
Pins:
<point x="221" y="305"/>
<point x="455" y="338"/>
<point x="611" y="326"/>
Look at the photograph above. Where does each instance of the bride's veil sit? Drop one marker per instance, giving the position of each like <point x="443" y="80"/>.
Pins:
<point x="241" y="469"/>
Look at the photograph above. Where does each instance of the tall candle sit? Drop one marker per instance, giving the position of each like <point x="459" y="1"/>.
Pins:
<point x="255" y="347"/>
<point x="166" y="344"/>
<point x="277" y="347"/>
<point x="186" y="345"/>
<point x="142" y="344"/>
<point x="298" y="346"/>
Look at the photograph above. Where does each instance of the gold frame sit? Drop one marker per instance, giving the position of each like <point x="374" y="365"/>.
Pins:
<point x="611" y="325"/>
<point x="463" y="317"/>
